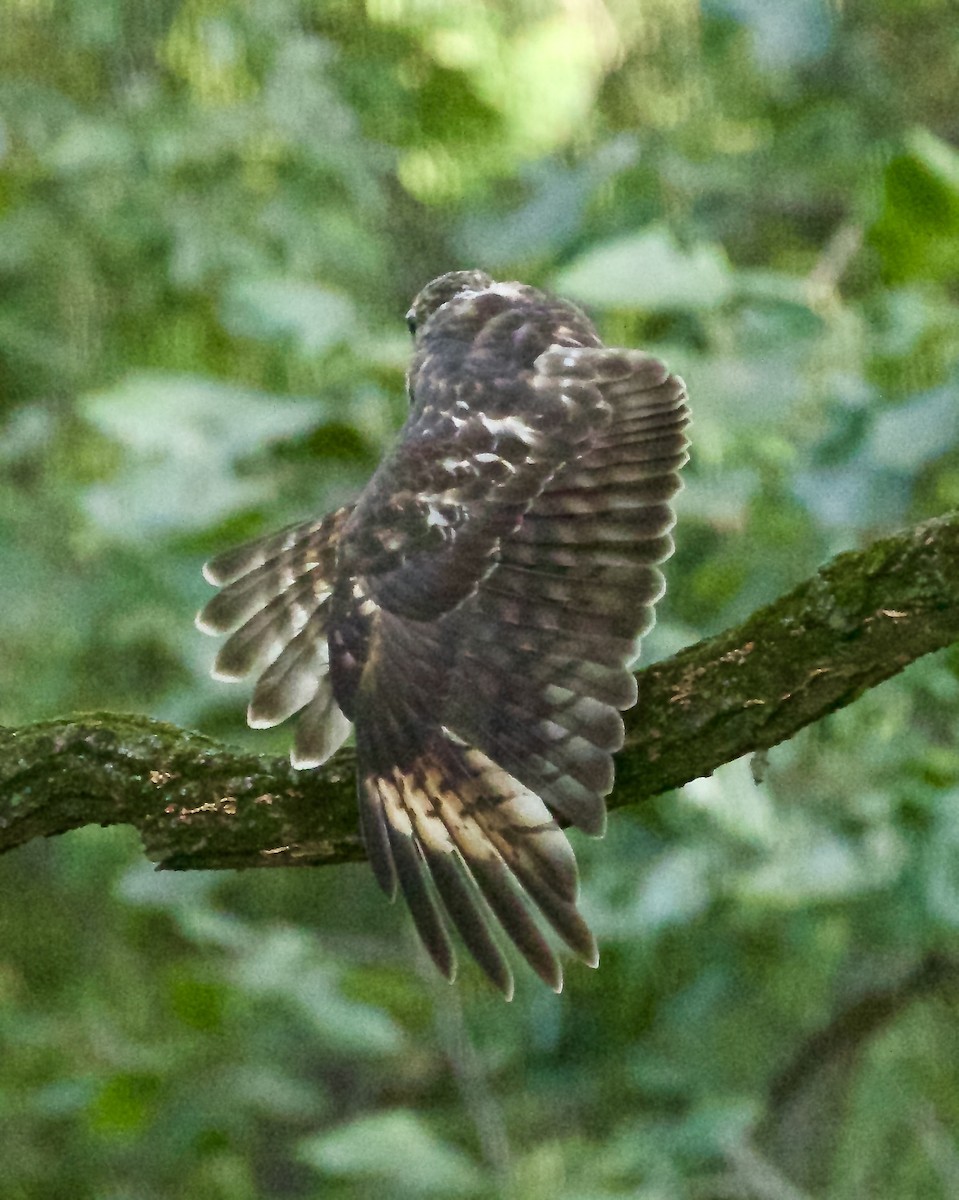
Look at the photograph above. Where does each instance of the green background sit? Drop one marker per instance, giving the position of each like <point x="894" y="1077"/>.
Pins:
<point x="213" y="215"/>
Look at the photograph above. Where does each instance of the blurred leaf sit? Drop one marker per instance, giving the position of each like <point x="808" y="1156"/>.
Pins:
<point x="447" y="101"/>
<point x="853" y="494"/>
<point x="908" y="436"/>
<point x="674" y="890"/>
<point x="550" y="213"/>
<point x="784" y="34"/>
<point x="125" y="1103"/>
<point x="91" y="146"/>
<point x="917" y="231"/>
<point x="398" y="1151"/>
<point x="286" y="965"/>
<point x="197" y="1003"/>
<point x="310" y="316"/>
<point x="184" y="437"/>
<point x="943" y="869"/>
<point x="813" y="866"/>
<point x="735" y="803"/>
<point x="269" y="1090"/>
<point x="648" y="270"/>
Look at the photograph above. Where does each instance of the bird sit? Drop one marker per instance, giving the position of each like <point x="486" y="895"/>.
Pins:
<point x="472" y="618"/>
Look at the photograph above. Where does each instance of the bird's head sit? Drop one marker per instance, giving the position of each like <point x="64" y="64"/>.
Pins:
<point x="444" y="288"/>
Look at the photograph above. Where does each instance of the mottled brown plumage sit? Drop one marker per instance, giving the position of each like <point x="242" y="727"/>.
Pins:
<point x="473" y="616"/>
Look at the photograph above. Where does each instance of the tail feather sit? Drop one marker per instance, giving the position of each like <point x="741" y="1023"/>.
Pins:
<point x="375" y="836"/>
<point x="499" y="891"/>
<point x="457" y="823"/>
<point x="459" y="900"/>
<point x="405" y="848"/>
<point x="503" y="807"/>
<point x="576" y="803"/>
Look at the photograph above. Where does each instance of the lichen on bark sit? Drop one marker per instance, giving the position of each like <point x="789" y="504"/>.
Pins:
<point x="199" y="804"/>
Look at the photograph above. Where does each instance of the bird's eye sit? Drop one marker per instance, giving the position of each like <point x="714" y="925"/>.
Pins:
<point x="411" y="324"/>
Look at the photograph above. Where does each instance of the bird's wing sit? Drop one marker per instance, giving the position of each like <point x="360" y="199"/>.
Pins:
<point x="474" y="615"/>
<point x="274" y="604"/>
<point x="542" y="664"/>
<point x="474" y="728"/>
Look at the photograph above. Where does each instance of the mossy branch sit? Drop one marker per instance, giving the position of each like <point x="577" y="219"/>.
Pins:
<point x="199" y="804"/>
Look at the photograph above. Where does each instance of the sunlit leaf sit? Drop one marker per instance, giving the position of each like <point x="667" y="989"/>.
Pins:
<point x="917" y="232"/>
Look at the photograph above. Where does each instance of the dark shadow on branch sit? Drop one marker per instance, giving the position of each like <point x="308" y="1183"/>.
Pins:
<point x="198" y="804"/>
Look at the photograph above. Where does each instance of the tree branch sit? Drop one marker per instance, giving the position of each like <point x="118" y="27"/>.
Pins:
<point x="198" y="804"/>
<point x="807" y="1102"/>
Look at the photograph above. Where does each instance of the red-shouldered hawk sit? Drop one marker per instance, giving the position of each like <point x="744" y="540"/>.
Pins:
<point x="473" y="615"/>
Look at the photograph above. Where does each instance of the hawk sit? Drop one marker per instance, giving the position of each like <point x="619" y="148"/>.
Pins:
<point x="473" y="615"/>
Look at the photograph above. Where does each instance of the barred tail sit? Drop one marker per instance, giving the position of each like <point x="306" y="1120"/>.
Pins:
<point x="452" y="829"/>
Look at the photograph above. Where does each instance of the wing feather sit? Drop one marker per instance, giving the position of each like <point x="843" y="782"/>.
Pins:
<point x="262" y="637"/>
<point x="275" y="605"/>
<point x="247" y="557"/>
<point x="572" y="591"/>
<point x="321" y="730"/>
<point x="291" y="682"/>
<point x="475" y="614"/>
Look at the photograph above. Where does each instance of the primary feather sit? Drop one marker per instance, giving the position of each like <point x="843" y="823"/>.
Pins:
<point x="475" y="613"/>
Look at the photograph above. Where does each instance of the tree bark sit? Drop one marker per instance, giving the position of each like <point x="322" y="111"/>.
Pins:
<point x="199" y="804"/>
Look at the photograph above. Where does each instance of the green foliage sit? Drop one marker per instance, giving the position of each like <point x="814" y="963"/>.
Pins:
<point x="648" y="271"/>
<point x="213" y="215"/>
<point x="395" y="1150"/>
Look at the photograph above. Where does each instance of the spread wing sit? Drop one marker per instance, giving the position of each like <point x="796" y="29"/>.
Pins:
<point x="474" y="616"/>
<point x="475" y="728"/>
<point x="542" y="667"/>
<point x="275" y="605"/>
